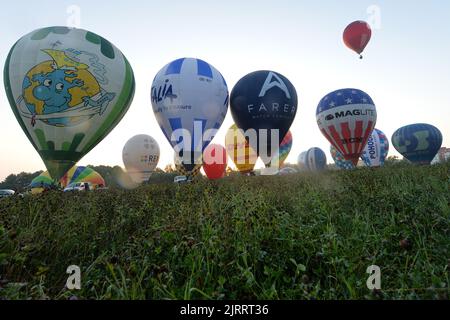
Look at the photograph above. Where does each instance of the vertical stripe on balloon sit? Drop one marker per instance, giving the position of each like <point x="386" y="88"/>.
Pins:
<point x="175" y="124"/>
<point x="337" y="140"/>
<point x="204" y="69"/>
<point x="347" y="135"/>
<point x="175" y="67"/>
<point x="359" y="133"/>
<point x="197" y="140"/>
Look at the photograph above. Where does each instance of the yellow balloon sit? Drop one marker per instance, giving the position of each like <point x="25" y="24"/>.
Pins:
<point x="240" y="151"/>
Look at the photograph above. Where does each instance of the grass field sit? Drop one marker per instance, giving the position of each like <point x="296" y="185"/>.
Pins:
<point x="303" y="236"/>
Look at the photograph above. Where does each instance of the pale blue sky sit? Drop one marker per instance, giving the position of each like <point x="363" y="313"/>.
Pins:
<point x="406" y="69"/>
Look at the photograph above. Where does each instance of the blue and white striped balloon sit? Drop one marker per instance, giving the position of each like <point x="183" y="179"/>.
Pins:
<point x="189" y="94"/>
<point x="315" y="160"/>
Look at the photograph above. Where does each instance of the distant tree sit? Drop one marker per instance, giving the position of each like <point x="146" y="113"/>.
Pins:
<point x="395" y="161"/>
<point x="19" y="182"/>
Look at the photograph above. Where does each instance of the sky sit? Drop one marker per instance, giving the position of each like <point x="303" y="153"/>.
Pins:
<point x="406" y="69"/>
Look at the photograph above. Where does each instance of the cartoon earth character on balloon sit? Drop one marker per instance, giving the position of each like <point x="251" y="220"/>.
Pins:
<point x="63" y="92"/>
<point x="68" y="89"/>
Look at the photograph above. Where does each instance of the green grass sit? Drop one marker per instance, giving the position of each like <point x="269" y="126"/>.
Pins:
<point x="296" y="237"/>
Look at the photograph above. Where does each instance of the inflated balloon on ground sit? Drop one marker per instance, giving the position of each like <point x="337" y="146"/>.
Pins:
<point x="264" y="100"/>
<point x="347" y="118"/>
<point x="190" y="101"/>
<point x="74" y="175"/>
<point x="315" y="160"/>
<point x="43" y="181"/>
<point x="240" y="151"/>
<point x="419" y="143"/>
<point x="68" y="88"/>
<point x="301" y="160"/>
<point x="340" y="161"/>
<point x="140" y="157"/>
<point x="83" y="174"/>
<point x="376" y="150"/>
<point x="283" y="152"/>
<point x="215" y="161"/>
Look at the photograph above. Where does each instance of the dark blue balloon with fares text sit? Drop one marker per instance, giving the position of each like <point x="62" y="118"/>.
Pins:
<point x="419" y="143"/>
<point x="264" y="100"/>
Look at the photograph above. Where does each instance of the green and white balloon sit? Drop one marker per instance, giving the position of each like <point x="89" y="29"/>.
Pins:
<point x="68" y="88"/>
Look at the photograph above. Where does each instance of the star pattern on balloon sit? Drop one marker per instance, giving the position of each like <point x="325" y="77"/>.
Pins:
<point x="343" y="98"/>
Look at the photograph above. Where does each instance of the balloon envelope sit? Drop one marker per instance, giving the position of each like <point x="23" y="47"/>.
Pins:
<point x="215" y="161"/>
<point x="340" y="161"/>
<point x="419" y="143"/>
<point x="316" y="160"/>
<point x="43" y="181"/>
<point x="81" y="175"/>
<point x="140" y="157"/>
<point x="357" y="35"/>
<point x="301" y="161"/>
<point x="284" y="151"/>
<point x="190" y="101"/>
<point x="376" y="150"/>
<point x="240" y="151"/>
<point x="74" y="175"/>
<point x="347" y="118"/>
<point x="187" y="170"/>
<point x="264" y="100"/>
<point x="68" y="88"/>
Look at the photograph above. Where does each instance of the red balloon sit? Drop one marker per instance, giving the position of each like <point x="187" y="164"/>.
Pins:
<point x="215" y="161"/>
<point x="357" y="35"/>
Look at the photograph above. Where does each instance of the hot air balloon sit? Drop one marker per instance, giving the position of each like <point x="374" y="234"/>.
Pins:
<point x="284" y="150"/>
<point x="340" y="161"/>
<point x="419" y="143"/>
<point x="140" y="157"/>
<point x="82" y="175"/>
<point x="315" y="160"/>
<point x="215" y="161"/>
<point x="301" y="161"/>
<point x="68" y="88"/>
<point x="43" y="181"/>
<point x="347" y="118"/>
<point x="74" y="175"/>
<point x="266" y="102"/>
<point x="190" y="101"/>
<point x="240" y="151"/>
<point x="357" y="35"/>
<point x="376" y="150"/>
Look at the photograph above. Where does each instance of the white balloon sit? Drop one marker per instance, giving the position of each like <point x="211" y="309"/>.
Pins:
<point x="376" y="150"/>
<point x="140" y="157"/>
<point x="302" y="160"/>
<point x="189" y="94"/>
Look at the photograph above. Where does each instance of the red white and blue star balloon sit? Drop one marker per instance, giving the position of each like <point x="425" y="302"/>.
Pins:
<point x="347" y="118"/>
